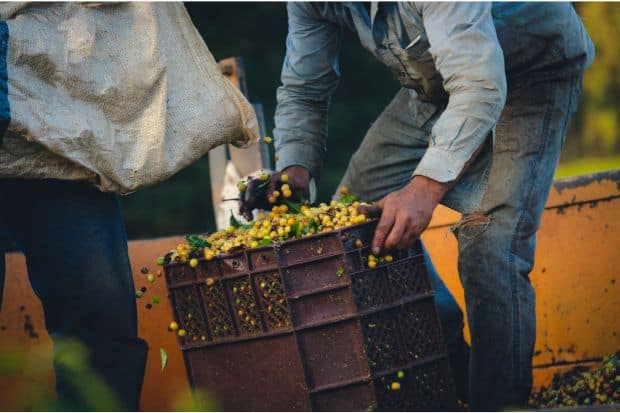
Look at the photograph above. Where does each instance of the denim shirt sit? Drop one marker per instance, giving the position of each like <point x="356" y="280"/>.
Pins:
<point x="459" y="57"/>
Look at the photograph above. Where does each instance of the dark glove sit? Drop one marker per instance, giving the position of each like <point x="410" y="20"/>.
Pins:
<point x="263" y="190"/>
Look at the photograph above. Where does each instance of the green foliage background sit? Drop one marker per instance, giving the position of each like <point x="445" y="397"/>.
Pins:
<point x="257" y="32"/>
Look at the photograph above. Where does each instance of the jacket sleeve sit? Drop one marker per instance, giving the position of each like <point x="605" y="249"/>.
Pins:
<point x="310" y="76"/>
<point x="467" y="54"/>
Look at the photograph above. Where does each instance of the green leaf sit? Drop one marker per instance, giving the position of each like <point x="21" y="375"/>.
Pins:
<point x="294" y="207"/>
<point x="312" y="225"/>
<point x="348" y="199"/>
<point x="296" y="229"/>
<point x="265" y="241"/>
<point x="260" y="188"/>
<point x="234" y="222"/>
<point x="195" y="241"/>
<point x="164" y="358"/>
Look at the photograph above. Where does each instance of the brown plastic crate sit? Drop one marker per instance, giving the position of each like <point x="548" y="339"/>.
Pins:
<point x="305" y="325"/>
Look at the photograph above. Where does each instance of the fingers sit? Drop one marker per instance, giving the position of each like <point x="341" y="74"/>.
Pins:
<point x="395" y="237"/>
<point x="384" y="226"/>
<point x="411" y="233"/>
<point x="371" y="211"/>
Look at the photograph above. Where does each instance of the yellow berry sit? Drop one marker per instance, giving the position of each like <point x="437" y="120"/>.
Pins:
<point x="181" y="333"/>
<point x="395" y="386"/>
<point x="358" y="243"/>
<point x="173" y="326"/>
<point x="210" y="281"/>
<point x="283" y="209"/>
<point x="388" y="258"/>
<point x="254" y="244"/>
<point x="275" y="194"/>
<point x="372" y="264"/>
<point x="230" y="229"/>
<point x="264" y="176"/>
<point x="208" y="255"/>
<point x="241" y="186"/>
<point x="267" y="140"/>
<point x="285" y="187"/>
<point x="287" y="194"/>
<point x="193" y="263"/>
<point x="150" y="278"/>
<point x="343" y="190"/>
<point x="284" y="178"/>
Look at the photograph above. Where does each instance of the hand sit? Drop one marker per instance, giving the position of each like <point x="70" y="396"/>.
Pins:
<point x="297" y="177"/>
<point x="406" y="213"/>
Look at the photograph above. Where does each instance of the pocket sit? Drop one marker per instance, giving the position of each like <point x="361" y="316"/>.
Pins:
<point x="418" y="46"/>
<point x="524" y="122"/>
<point x="421" y="70"/>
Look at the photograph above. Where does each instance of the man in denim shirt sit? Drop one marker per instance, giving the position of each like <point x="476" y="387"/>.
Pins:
<point x="488" y="92"/>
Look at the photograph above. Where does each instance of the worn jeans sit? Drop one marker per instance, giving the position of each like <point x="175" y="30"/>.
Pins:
<point x="502" y="197"/>
<point x="75" y="245"/>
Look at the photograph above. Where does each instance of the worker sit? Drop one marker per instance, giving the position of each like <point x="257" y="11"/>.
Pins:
<point x="98" y="99"/>
<point x="488" y="90"/>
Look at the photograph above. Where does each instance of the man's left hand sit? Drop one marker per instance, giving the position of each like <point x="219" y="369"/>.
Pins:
<point x="406" y="213"/>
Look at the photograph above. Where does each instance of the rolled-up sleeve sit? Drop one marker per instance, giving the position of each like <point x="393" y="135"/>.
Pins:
<point x="310" y="76"/>
<point x="467" y="54"/>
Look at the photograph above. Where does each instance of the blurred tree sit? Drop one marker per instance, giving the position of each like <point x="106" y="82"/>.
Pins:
<point x="595" y="129"/>
<point x="257" y="32"/>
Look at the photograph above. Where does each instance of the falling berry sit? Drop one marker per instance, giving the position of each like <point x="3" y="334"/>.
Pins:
<point x="193" y="263"/>
<point x="150" y="278"/>
<point x="395" y="386"/>
<point x="173" y="326"/>
<point x="181" y="333"/>
<point x="400" y="374"/>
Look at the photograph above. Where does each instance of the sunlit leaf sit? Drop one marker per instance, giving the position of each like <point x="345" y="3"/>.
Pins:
<point x="164" y="358"/>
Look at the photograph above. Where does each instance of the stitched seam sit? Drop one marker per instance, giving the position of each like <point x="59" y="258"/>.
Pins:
<point x="511" y="261"/>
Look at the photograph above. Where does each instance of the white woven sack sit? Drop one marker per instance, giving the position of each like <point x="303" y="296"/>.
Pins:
<point x="124" y="94"/>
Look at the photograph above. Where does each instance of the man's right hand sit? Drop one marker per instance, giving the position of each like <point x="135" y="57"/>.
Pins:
<point x="296" y="177"/>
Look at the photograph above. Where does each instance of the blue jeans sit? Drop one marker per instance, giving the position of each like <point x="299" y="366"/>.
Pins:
<point x="75" y="245"/>
<point x="502" y="197"/>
